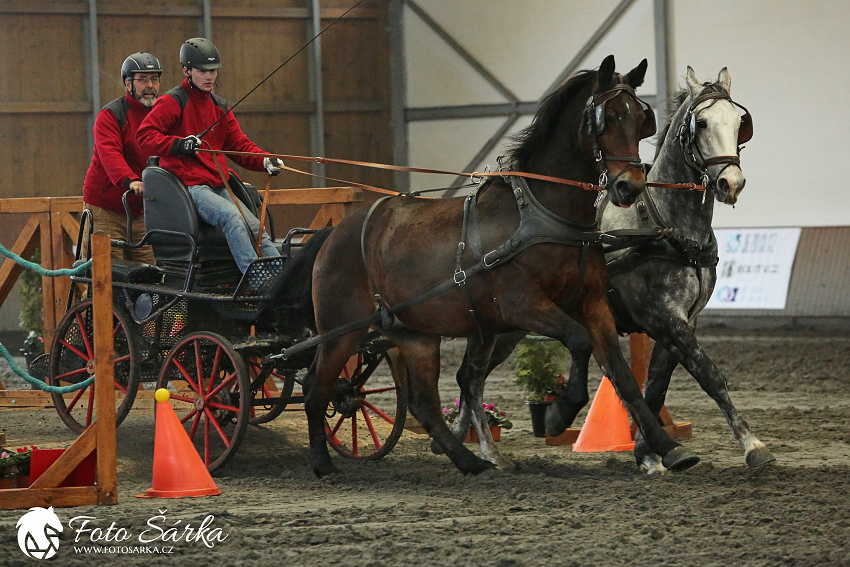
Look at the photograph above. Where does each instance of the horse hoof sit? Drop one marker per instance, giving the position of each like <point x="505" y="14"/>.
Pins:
<point x="759" y="457"/>
<point x="555" y="423"/>
<point x="324" y="469"/>
<point x="679" y="459"/>
<point x="436" y="449"/>
<point x="478" y="467"/>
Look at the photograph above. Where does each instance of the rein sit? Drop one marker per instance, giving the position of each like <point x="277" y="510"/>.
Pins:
<point x="474" y="175"/>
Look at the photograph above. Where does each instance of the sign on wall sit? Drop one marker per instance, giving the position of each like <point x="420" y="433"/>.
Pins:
<point x="754" y="268"/>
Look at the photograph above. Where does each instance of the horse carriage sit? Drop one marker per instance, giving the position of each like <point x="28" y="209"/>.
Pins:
<point x="194" y="325"/>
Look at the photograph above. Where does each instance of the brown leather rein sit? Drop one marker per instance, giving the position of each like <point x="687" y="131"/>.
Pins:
<point x="473" y="175"/>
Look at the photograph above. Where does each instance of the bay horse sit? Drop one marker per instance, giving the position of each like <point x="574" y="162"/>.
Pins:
<point x="660" y="287"/>
<point x="404" y="246"/>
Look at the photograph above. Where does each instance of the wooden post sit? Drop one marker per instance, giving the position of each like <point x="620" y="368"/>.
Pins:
<point x="107" y="486"/>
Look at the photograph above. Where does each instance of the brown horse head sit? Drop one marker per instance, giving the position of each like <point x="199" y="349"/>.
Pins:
<point x="588" y="130"/>
<point x="618" y="122"/>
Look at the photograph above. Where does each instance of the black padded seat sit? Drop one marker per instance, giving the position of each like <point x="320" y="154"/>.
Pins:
<point x="127" y="271"/>
<point x="168" y="206"/>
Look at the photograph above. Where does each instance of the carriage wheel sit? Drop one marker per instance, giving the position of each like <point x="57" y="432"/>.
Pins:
<point x="368" y="409"/>
<point x="206" y="378"/>
<point x="72" y="361"/>
<point x="268" y="403"/>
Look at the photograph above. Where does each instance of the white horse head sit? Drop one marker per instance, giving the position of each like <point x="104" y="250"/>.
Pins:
<point x="716" y="130"/>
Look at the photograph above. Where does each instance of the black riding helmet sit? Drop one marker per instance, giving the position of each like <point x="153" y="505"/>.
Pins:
<point x="199" y="53"/>
<point x="139" y="63"/>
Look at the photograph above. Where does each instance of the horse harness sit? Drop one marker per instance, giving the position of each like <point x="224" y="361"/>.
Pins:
<point x="674" y="248"/>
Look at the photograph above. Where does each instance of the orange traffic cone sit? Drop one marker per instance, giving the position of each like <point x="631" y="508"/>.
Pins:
<point x="177" y="467"/>
<point x="607" y="425"/>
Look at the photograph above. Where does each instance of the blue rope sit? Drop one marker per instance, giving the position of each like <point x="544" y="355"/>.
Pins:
<point x="38" y="384"/>
<point x="35" y="382"/>
<point x="79" y="270"/>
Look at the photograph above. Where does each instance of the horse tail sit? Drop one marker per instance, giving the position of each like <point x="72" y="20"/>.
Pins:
<point x="290" y="305"/>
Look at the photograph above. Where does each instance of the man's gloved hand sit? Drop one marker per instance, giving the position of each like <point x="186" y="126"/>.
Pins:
<point x="188" y="146"/>
<point x="273" y="165"/>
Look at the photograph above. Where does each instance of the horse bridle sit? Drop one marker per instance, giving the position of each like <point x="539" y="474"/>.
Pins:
<point x="690" y="147"/>
<point x="594" y="120"/>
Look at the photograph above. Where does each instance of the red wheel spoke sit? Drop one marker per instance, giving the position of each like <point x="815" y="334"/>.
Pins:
<point x="354" y="435"/>
<point x="214" y="421"/>
<point x="77" y="397"/>
<point x="187" y="377"/>
<point x="206" y="439"/>
<point x="180" y="398"/>
<point x="217" y="405"/>
<point x="216" y="362"/>
<point x="199" y="367"/>
<point x="117" y="328"/>
<point x="337" y="426"/>
<point x="121" y="359"/>
<point x="371" y="427"/>
<point x="377" y="391"/>
<point x="61" y="377"/>
<point x="218" y="388"/>
<point x="377" y="412"/>
<point x="85" y="335"/>
<point x="119" y="386"/>
<point x="189" y="416"/>
<point x="75" y="350"/>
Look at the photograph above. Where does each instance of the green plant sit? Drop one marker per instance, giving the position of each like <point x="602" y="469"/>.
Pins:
<point x="17" y="462"/>
<point x="31" y="317"/>
<point x="539" y="367"/>
<point x="495" y="416"/>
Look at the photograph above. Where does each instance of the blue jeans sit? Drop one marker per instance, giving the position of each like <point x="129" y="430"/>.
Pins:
<point x="216" y="208"/>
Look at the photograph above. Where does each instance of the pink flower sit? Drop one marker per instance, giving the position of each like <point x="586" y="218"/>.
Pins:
<point x="4" y="455"/>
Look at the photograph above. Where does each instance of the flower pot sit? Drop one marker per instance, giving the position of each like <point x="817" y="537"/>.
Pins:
<point x="538" y="417"/>
<point x="495" y="431"/>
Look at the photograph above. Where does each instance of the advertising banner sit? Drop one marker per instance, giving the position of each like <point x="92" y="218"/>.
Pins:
<point x="755" y="267"/>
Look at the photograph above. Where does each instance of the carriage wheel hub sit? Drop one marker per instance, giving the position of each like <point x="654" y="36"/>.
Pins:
<point x="199" y="404"/>
<point x="90" y="367"/>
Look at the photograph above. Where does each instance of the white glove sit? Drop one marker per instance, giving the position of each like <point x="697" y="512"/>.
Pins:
<point x="273" y="165"/>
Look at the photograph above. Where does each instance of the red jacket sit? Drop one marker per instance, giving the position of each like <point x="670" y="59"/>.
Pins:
<point x="163" y="129"/>
<point x="117" y="160"/>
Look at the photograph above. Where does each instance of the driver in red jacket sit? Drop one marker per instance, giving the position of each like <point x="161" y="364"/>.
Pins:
<point x="117" y="163"/>
<point x="172" y="131"/>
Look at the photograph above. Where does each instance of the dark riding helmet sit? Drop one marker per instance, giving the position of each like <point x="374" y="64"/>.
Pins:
<point x="199" y="53"/>
<point x="139" y="63"/>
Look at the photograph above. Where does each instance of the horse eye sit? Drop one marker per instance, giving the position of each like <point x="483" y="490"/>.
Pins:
<point x="702" y="124"/>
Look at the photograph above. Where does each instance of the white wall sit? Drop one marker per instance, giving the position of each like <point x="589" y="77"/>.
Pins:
<point x="788" y="60"/>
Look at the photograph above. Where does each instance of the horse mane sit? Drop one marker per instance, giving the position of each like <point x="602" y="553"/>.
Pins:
<point x="535" y="137"/>
<point x="675" y="102"/>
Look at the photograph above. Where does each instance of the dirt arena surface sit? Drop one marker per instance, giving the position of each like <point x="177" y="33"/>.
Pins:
<point x="557" y="508"/>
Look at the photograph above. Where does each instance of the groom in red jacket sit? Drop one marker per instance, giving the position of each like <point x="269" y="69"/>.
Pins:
<point x="117" y="163"/>
<point x="172" y="131"/>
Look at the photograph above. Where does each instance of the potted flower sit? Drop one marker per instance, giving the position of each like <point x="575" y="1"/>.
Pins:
<point x="496" y="420"/>
<point x="539" y="367"/>
<point x="15" y="467"/>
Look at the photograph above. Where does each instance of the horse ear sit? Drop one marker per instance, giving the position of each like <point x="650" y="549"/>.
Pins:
<point x="634" y="78"/>
<point x="693" y="83"/>
<point x="725" y="80"/>
<point x="606" y="71"/>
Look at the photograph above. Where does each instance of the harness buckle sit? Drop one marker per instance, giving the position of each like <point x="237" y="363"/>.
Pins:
<point x="459" y="277"/>
<point x="489" y="264"/>
<point x="603" y="179"/>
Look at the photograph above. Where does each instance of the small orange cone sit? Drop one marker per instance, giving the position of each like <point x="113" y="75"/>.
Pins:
<point x="177" y="467"/>
<point x="607" y="425"/>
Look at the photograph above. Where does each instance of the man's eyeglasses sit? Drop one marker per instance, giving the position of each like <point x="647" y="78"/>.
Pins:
<point x="144" y="80"/>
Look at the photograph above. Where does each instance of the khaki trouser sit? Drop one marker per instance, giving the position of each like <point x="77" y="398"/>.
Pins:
<point x="116" y="226"/>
